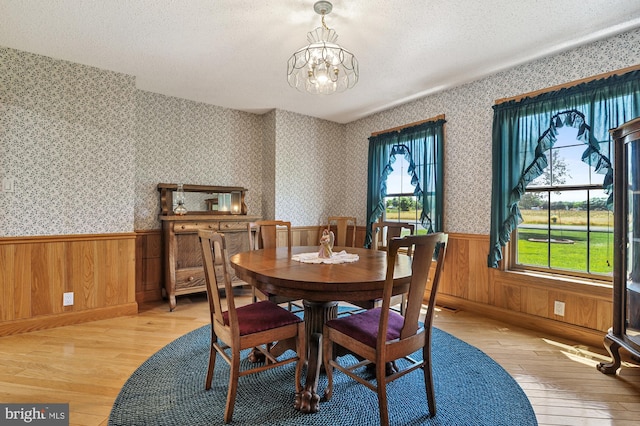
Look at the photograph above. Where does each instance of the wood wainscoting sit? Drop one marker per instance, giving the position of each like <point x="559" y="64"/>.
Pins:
<point x="468" y="283"/>
<point x="523" y="299"/>
<point x="35" y="272"/>
<point x="149" y="270"/>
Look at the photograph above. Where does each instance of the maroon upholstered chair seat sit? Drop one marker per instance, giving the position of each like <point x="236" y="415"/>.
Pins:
<point x="261" y="316"/>
<point x="363" y="326"/>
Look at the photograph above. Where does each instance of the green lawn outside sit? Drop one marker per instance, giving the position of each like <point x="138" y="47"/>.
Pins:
<point x="571" y="257"/>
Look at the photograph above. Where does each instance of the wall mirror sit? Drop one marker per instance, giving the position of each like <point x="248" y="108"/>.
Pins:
<point x="202" y="199"/>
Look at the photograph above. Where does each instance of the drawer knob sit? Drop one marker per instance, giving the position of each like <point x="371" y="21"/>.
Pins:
<point x="190" y="278"/>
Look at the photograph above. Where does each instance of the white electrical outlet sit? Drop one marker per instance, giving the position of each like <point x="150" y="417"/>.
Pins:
<point x="67" y="299"/>
<point x="558" y="308"/>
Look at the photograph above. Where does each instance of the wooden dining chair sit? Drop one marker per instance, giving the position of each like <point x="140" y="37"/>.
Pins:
<point x="255" y="326"/>
<point x="343" y="226"/>
<point x="264" y="234"/>
<point x="381" y="335"/>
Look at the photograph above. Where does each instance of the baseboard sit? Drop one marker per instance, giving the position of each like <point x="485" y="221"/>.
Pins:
<point x="58" y="320"/>
<point x="560" y="329"/>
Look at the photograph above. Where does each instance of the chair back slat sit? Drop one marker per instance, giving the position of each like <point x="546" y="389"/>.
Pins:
<point x="425" y="247"/>
<point x="343" y="225"/>
<point x="264" y="233"/>
<point x="214" y="253"/>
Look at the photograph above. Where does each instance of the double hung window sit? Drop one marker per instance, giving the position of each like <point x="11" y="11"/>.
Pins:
<point x="552" y="186"/>
<point x="405" y="176"/>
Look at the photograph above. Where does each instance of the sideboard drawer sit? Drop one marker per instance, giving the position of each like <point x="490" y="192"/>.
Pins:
<point x="190" y="278"/>
<point x="233" y="226"/>
<point x="190" y="227"/>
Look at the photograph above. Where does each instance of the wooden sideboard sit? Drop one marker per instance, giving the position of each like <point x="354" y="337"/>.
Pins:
<point x="215" y="208"/>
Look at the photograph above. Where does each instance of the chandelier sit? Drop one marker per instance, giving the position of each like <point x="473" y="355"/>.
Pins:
<point x="322" y="67"/>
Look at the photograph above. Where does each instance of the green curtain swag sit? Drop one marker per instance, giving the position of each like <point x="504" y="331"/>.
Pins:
<point x="422" y="147"/>
<point x="525" y="129"/>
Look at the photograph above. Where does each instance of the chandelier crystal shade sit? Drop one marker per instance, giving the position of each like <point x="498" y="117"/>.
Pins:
<point x="322" y="67"/>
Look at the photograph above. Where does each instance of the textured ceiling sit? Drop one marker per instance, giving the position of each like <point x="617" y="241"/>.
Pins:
<point x="233" y="53"/>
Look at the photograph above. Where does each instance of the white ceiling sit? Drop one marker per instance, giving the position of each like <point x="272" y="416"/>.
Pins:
<point x="233" y="53"/>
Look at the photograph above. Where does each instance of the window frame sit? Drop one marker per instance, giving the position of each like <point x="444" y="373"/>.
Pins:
<point x="514" y="265"/>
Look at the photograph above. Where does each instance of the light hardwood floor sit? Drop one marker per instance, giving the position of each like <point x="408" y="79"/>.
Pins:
<point x="87" y="364"/>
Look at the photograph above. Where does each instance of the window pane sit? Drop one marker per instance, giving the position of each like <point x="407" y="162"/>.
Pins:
<point x="533" y="233"/>
<point x="568" y="231"/>
<point x="399" y="181"/>
<point x="601" y="234"/>
<point x="566" y="137"/>
<point x="568" y="167"/>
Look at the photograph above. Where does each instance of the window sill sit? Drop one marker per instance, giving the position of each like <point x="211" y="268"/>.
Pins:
<point x="595" y="287"/>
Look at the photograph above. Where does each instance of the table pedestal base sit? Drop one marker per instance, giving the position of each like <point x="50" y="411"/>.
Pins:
<point x="315" y="315"/>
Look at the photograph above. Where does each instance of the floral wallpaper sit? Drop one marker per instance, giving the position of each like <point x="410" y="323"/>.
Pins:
<point x="309" y="183"/>
<point x="87" y="149"/>
<point x="66" y="139"/>
<point x="194" y="143"/>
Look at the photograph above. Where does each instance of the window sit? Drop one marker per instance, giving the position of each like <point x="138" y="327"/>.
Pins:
<point x="401" y="205"/>
<point x="405" y="176"/>
<point x="566" y="223"/>
<point x="552" y="175"/>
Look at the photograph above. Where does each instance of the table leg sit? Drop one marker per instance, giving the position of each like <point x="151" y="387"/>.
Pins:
<point x="315" y="315"/>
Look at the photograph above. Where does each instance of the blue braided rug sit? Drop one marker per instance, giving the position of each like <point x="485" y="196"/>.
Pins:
<point x="168" y="389"/>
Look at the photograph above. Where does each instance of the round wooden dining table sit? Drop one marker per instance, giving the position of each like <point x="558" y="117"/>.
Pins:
<point x="321" y="286"/>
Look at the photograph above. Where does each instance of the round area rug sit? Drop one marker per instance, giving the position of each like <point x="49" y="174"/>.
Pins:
<point x="168" y="389"/>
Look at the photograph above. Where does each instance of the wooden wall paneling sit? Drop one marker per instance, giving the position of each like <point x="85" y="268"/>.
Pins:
<point x="578" y="310"/>
<point x="149" y="272"/>
<point x="105" y="276"/>
<point x="508" y="296"/>
<point x="47" y="278"/>
<point x="140" y="265"/>
<point x="7" y="283"/>
<point x="604" y="315"/>
<point x="152" y="281"/>
<point x="22" y="281"/>
<point x="82" y="275"/>
<point x="36" y="271"/>
<point x="128" y="270"/>
<point x="456" y="268"/>
<point x="479" y="286"/>
<point x="535" y="301"/>
<point x="58" y="276"/>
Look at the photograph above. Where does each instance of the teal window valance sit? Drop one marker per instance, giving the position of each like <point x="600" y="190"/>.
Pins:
<point x="524" y="130"/>
<point x="422" y="147"/>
